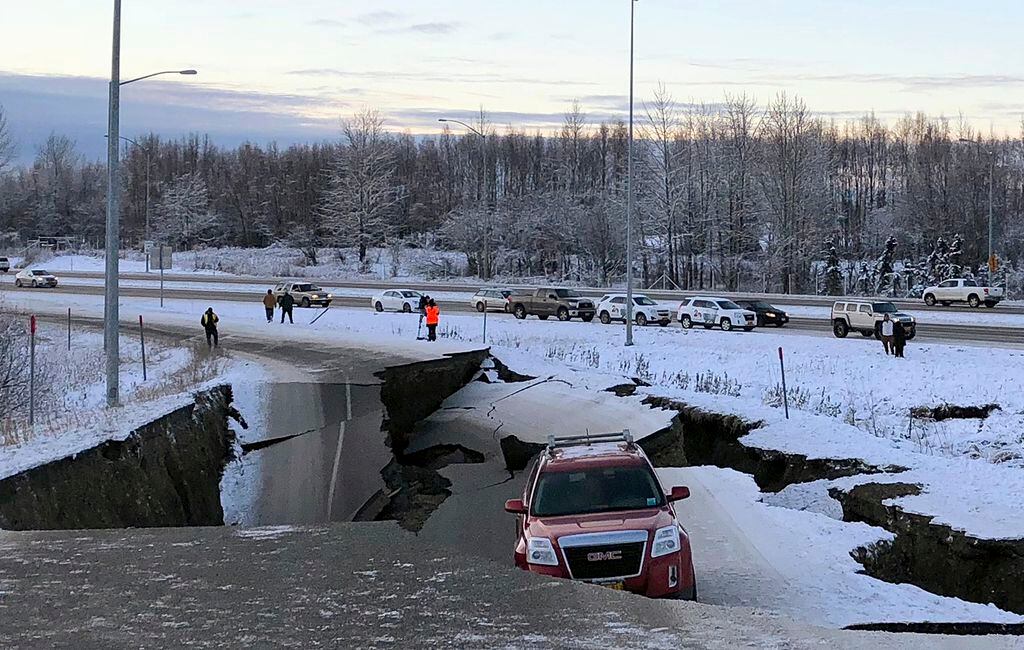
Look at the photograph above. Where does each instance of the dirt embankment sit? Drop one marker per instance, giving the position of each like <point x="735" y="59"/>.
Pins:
<point x="165" y="473"/>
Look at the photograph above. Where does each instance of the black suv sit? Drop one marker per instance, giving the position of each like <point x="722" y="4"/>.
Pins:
<point x="766" y="313"/>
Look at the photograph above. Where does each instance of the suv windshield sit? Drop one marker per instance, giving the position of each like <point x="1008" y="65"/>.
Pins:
<point x="305" y="287"/>
<point x="567" y="293"/>
<point x="644" y="300"/>
<point x="596" y="490"/>
<point x="758" y="304"/>
<point x="883" y="308"/>
<point x="37" y="272"/>
<point x="728" y="304"/>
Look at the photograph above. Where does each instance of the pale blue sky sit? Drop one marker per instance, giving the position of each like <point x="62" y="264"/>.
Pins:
<point x="288" y="69"/>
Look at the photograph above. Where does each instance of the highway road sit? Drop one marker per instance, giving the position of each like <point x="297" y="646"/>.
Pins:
<point x="461" y="287"/>
<point x="221" y="290"/>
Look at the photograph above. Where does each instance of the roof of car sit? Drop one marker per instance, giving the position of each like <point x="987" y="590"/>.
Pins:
<point x="602" y="454"/>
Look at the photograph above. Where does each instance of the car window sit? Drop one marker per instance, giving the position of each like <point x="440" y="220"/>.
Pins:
<point x="505" y="294"/>
<point x="865" y="309"/>
<point x="761" y="305"/>
<point x="619" y="301"/>
<point x="839" y="306"/>
<point x="391" y="294"/>
<point x="883" y="308"/>
<point x="303" y="287"/>
<point x="970" y="283"/>
<point x="946" y="284"/>
<point x="727" y="304"/>
<point x="851" y="306"/>
<point x="605" y="489"/>
<point x="410" y="294"/>
<point x="644" y="300"/>
<point x="568" y="293"/>
<point x="39" y="272"/>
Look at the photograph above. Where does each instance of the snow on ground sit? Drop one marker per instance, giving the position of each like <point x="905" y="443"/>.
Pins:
<point x="848" y="401"/>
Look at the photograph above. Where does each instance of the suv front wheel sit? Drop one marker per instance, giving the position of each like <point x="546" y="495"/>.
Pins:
<point x="726" y="325"/>
<point x="605" y="318"/>
<point x="519" y="312"/>
<point x="563" y="314"/>
<point x="685" y="322"/>
<point x="840" y="329"/>
<point x="929" y="300"/>
<point x="641" y="320"/>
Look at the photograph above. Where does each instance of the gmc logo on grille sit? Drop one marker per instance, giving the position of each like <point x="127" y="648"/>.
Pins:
<point x="604" y="556"/>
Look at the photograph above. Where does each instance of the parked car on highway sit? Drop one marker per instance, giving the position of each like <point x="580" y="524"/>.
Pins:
<point x="962" y="290"/>
<point x="711" y="312"/>
<point x="866" y="317"/>
<point x="613" y="307"/>
<point x="405" y="300"/>
<point x="35" y="278"/>
<point x="5" y="265"/>
<point x="593" y="510"/>
<point x="305" y="294"/>
<point x="564" y="304"/>
<point x="491" y="300"/>
<point x="767" y="314"/>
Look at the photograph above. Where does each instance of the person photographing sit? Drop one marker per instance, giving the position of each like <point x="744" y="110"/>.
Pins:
<point x="433" y="317"/>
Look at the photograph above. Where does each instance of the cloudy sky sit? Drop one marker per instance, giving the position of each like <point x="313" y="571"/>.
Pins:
<point x="288" y="70"/>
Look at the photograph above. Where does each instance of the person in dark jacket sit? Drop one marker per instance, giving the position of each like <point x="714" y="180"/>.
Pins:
<point x="269" y="302"/>
<point x="287" y="302"/>
<point x="424" y="300"/>
<point x="899" y="339"/>
<point x="209" y="322"/>
<point x="433" y="318"/>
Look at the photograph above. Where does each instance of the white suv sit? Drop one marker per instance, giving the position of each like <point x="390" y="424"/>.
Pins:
<point x="866" y="317"/>
<point x="709" y="312"/>
<point x="613" y="307"/>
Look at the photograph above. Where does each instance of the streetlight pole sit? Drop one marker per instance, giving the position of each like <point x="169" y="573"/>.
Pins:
<point x="483" y="167"/>
<point x="111" y="314"/>
<point x="629" y="190"/>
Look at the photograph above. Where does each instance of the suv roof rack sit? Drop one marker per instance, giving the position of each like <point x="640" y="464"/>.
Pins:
<point x="558" y="442"/>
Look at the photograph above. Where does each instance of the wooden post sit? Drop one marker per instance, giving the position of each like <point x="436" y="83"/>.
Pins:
<point x="32" y="373"/>
<point x="785" y="395"/>
<point x="142" y="339"/>
<point x="69" y="329"/>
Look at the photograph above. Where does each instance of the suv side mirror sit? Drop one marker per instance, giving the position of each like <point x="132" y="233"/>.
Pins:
<point x="678" y="493"/>
<point x="517" y="507"/>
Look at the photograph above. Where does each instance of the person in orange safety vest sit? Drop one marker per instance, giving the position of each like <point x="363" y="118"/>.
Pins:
<point x="433" y="318"/>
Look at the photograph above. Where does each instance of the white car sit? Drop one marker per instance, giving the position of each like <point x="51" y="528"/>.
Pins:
<point x="35" y="278"/>
<point x="962" y="290"/>
<point x="5" y="265"/>
<point x="491" y="300"/>
<point x="613" y="307"/>
<point x="405" y="300"/>
<point x="709" y="312"/>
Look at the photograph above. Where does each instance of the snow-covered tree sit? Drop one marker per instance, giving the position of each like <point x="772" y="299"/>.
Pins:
<point x="182" y="218"/>
<point x="364" y="192"/>
<point x="6" y="142"/>
<point x="884" y="267"/>
<point x="955" y="257"/>
<point x="833" y="274"/>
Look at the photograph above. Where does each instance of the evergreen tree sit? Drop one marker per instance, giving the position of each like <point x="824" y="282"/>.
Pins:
<point x="833" y="274"/>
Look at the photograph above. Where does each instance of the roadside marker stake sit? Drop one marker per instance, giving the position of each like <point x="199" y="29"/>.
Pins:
<point x="32" y="373"/>
<point x="142" y="339"/>
<point x="785" y="396"/>
<point x="69" y="329"/>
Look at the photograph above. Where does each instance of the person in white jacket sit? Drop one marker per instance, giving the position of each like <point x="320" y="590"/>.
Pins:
<point x="887" y="334"/>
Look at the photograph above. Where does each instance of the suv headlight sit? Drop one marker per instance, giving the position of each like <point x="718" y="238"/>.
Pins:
<point x="540" y="551"/>
<point x="666" y="540"/>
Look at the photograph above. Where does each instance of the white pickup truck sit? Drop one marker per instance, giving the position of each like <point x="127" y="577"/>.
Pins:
<point x="962" y="290"/>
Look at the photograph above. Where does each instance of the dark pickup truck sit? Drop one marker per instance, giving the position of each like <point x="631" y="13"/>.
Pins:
<point x="564" y="304"/>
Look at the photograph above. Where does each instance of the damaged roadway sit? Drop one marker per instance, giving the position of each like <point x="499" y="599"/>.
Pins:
<point x="366" y="585"/>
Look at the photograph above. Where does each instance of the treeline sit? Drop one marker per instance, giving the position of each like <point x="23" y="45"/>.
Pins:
<point x="733" y="196"/>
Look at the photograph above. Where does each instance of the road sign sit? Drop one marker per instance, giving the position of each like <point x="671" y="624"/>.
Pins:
<point x="147" y="247"/>
<point x="993" y="263"/>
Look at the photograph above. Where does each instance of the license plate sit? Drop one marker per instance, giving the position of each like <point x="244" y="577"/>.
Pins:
<point x="615" y="586"/>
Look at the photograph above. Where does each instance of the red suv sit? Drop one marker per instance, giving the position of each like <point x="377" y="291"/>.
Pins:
<point x="593" y="510"/>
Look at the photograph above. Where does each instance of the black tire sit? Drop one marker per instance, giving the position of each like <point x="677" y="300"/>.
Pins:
<point x="587" y="319"/>
<point x="690" y="595"/>
<point x="840" y="329"/>
<point x="929" y="300"/>
<point x="519" y="312"/>
<point x="726" y="325"/>
<point x="685" y="322"/>
<point x="974" y="301"/>
<point x="305" y="302"/>
<point x="946" y="303"/>
<point x="748" y="328"/>
<point x="990" y="304"/>
<point x="867" y="335"/>
<point x="378" y="306"/>
<point x="407" y="308"/>
<point x="708" y="326"/>
<point x="35" y="284"/>
<point x="543" y="317"/>
<point x="17" y="282"/>
<point x="480" y="307"/>
<point x="605" y="318"/>
<point x="327" y="304"/>
<point x="664" y="323"/>
<point x="911" y="334"/>
<point x="779" y="323"/>
<point x="563" y="314"/>
<point x="641" y="320"/>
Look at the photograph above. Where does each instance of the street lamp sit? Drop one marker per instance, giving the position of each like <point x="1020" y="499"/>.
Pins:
<point x="483" y="168"/>
<point x="110" y="295"/>
<point x="629" y="190"/>
<point x="991" y="175"/>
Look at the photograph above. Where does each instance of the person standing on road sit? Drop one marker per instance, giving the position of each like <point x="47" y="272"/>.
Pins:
<point x="424" y="299"/>
<point x="887" y="334"/>
<point x="269" y="302"/>
<point x="209" y="322"/>
<point x="433" y="315"/>
<point x="899" y="339"/>
<point x="287" y="302"/>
